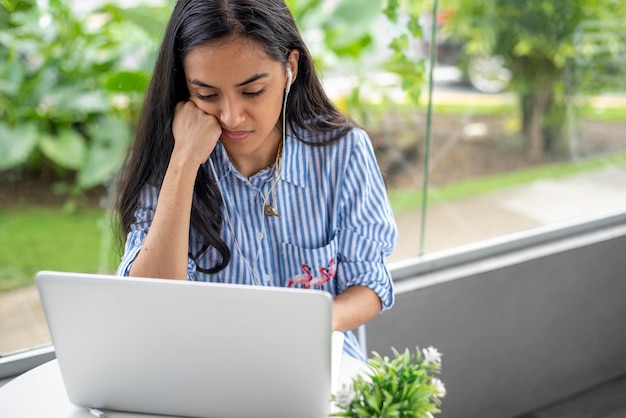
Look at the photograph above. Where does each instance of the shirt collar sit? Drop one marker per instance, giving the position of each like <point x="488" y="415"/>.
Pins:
<point x="296" y="160"/>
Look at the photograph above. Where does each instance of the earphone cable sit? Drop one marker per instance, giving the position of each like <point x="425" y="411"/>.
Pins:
<point x="227" y="217"/>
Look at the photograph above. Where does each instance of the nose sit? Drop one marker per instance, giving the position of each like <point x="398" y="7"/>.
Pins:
<point x="232" y="113"/>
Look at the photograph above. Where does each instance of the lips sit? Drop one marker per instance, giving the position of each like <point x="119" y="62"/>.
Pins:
<point x="236" y="135"/>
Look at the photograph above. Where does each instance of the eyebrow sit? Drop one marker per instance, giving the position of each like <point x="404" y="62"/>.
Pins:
<point x="243" y="83"/>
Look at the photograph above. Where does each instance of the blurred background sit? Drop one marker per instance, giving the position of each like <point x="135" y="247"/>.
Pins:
<point x="488" y="118"/>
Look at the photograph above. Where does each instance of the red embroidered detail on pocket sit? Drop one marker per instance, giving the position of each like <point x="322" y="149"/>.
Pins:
<point x="307" y="280"/>
<point x="301" y="279"/>
<point x="326" y="273"/>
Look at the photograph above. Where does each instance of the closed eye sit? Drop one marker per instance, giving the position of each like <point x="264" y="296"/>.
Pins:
<point x="208" y="97"/>
<point x="255" y="93"/>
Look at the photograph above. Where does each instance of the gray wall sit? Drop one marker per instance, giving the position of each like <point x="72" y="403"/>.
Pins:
<point x="519" y="331"/>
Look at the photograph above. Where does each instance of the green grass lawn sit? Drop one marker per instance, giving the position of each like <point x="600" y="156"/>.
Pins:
<point x="44" y="238"/>
<point x="584" y="111"/>
<point x="403" y="200"/>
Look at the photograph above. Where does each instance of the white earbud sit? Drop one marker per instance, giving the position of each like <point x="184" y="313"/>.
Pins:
<point x="289" y="79"/>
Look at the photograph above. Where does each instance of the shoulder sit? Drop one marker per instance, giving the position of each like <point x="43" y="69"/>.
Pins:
<point x="343" y="137"/>
<point x="323" y="128"/>
<point x="355" y="144"/>
<point x="357" y="137"/>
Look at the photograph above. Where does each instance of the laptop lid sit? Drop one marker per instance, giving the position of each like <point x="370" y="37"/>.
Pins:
<point x="190" y="348"/>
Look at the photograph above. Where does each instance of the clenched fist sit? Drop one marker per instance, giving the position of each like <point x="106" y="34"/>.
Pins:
<point x="195" y="133"/>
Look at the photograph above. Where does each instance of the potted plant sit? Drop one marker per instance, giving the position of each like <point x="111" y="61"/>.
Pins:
<point x="403" y="387"/>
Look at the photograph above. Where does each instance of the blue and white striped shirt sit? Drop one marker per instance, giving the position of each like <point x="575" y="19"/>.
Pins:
<point x="335" y="228"/>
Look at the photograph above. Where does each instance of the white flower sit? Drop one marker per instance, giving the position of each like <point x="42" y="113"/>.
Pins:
<point x="440" y="389"/>
<point x="431" y="355"/>
<point x="344" y="397"/>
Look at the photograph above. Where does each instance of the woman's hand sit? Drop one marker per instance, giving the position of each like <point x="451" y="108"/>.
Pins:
<point x="195" y="134"/>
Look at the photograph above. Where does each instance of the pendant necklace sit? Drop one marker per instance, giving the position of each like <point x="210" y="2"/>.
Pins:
<point x="269" y="208"/>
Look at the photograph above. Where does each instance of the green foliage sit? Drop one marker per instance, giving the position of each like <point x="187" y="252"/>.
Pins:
<point x="410" y="69"/>
<point x="71" y="86"/>
<point x="538" y="41"/>
<point x="340" y="40"/>
<point x="358" y="40"/>
<point x="344" y="33"/>
<point x="402" y="387"/>
<point x="61" y="83"/>
<point x="600" y="59"/>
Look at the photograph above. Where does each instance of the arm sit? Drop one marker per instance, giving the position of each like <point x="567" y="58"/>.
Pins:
<point x="355" y="306"/>
<point x="366" y="236"/>
<point x="165" y="249"/>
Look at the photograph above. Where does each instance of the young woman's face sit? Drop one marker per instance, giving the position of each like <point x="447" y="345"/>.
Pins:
<point x="238" y="83"/>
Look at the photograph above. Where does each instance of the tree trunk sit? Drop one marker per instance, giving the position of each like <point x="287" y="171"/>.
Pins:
<point x="536" y="105"/>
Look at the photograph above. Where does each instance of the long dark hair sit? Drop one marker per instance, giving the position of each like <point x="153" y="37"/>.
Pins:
<point x="192" y="23"/>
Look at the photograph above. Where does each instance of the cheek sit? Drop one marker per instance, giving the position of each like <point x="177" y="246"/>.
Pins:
<point x="270" y="110"/>
<point x="206" y="107"/>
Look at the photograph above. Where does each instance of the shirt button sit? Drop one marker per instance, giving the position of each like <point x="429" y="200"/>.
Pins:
<point x="259" y="236"/>
<point x="267" y="278"/>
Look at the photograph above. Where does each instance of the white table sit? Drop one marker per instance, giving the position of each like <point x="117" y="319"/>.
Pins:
<point x="40" y="393"/>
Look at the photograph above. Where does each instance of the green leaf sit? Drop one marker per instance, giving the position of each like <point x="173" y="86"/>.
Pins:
<point x="301" y="9"/>
<point x="16" y="144"/>
<point x="522" y="48"/>
<point x="106" y="152"/>
<point x="127" y="81"/>
<point x="13" y="75"/>
<point x="151" y="19"/>
<point x="66" y="149"/>
<point x="400" y="44"/>
<point x="358" y="11"/>
<point x="89" y="102"/>
<point x="348" y="47"/>
<point x="9" y="5"/>
<point x="71" y="101"/>
<point x="362" y="412"/>
<point x="391" y="10"/>
<point x="348" y="29"/>
<point x="375" y="399"/>
<point x="414" y="27"/>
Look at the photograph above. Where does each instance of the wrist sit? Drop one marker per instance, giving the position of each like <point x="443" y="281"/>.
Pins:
<point x="181" y="171"/>
<point x="183" y="163"/>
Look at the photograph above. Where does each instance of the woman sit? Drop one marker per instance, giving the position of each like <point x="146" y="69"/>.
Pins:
<point x="242" y="171"/>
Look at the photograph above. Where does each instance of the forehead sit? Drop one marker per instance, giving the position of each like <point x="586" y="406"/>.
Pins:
<point x="230" y="56"/>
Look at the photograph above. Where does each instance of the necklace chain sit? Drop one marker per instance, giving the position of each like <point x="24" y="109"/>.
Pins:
<point x="269" y="208"/>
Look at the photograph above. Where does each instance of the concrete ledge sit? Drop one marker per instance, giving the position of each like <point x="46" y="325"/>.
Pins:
<point x="520" y="330"/>
<point x="605" y="401"/>
<point x="18" y="363"/>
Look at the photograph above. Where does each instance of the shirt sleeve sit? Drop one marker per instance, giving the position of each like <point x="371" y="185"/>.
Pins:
<point x="366" y="230"/>
<point x="144" y="214"/>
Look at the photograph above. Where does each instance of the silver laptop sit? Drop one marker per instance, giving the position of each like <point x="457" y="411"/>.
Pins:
<point x="189" y="348"/>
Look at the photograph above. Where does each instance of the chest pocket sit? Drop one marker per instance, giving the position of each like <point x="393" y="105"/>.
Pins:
<point x="308" y="268"/>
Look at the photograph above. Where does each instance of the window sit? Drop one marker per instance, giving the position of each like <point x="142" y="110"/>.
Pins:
<point x="507" y="148"/>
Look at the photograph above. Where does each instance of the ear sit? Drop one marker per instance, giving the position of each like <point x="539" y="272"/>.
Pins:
<point x="292" y="63"/>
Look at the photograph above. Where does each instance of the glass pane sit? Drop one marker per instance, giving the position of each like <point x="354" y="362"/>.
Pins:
<point x="492" y="169"/>
<point x="520" y="138"/>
